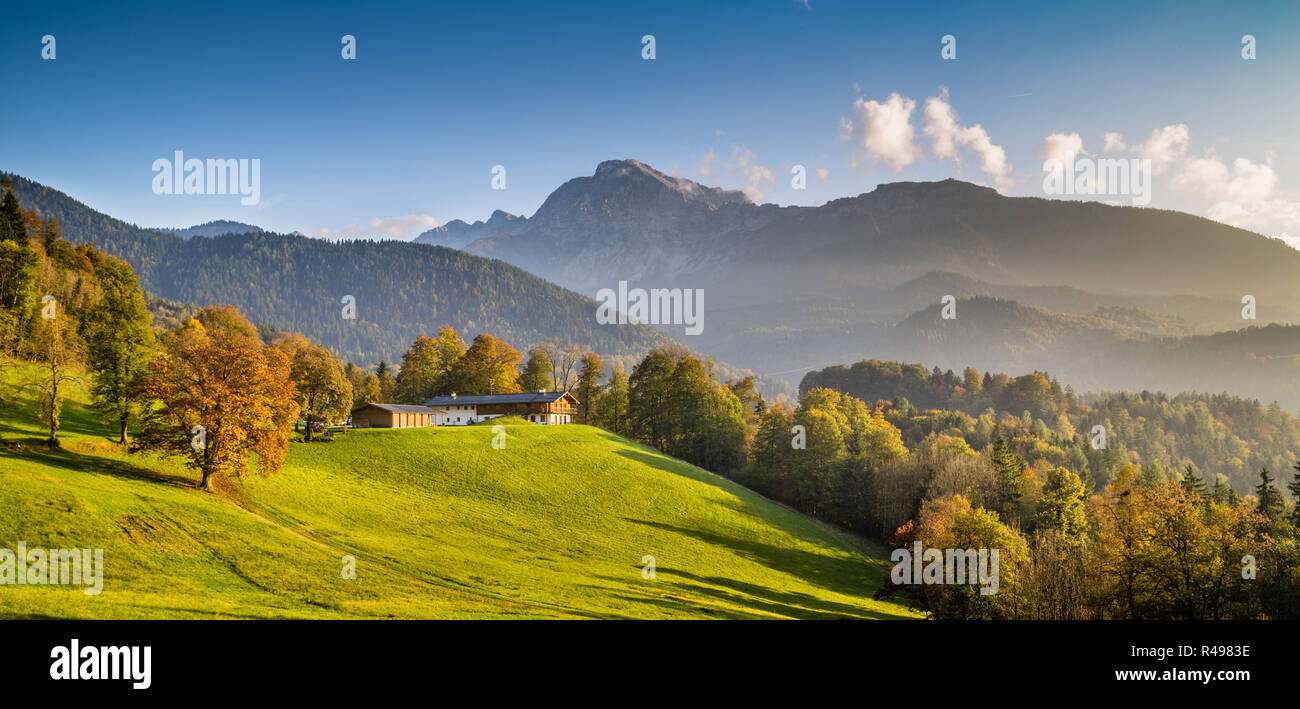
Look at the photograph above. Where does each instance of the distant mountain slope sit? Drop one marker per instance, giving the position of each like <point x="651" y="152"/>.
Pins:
<point x="457" y="234"/>
<point x="1098" y="352"/>
<point x="794" y="288"/>
<point x="629" y="221"/>
<point x="213" y="228"/>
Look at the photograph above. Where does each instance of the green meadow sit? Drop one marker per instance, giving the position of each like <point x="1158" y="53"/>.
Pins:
<point x="439" y="523"/>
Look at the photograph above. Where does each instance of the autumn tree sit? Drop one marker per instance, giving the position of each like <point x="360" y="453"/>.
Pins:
<point x="324" y="392"/>
<point x="55" y="346"/>
<point x="489" y="366"/>
<point x="222" y="398"/>
<point x="365" y="385"/>
<point x="954" y="524"/>
<point x="588" y="387"/>
<point x="1061" y="507"/>
<point x="417" y="381"/>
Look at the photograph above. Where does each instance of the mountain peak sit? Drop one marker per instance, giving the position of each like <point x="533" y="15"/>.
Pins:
<point x="632" y="180"/>
<point x="950" y="187"/>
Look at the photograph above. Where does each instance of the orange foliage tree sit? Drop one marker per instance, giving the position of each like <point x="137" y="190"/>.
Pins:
<point x="221" y="397"/>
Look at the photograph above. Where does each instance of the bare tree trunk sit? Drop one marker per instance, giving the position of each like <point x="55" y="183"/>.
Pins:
<point x="122" y="438"/>
<point x="53" y="441"/>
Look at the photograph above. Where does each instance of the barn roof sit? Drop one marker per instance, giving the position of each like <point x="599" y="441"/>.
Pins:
<point x="544" y="397"/>
<point x="402" y="408"/>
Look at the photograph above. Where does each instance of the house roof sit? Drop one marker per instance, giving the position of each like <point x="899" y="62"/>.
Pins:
<point x="402" y="408"/>
<point x="520" y="398"/>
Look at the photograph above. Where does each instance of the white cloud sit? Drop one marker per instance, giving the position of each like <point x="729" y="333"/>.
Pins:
<point x="1114" y="143"/>
<point x="946" y="133"/>
<point x="742" y="161"/>
<point x="709" y="164"/>
<point x="1062" y="146"/>
<point x="823" y="175"/>
<point x="993" y="159"/>
<point x="941" y="126"/>
<point x="884" y="130"/>
<point x="1164" y="146"/>
<point x="392" y="227"/>
<point x="1241" y="195"/>
<point x="1245" y="182"/>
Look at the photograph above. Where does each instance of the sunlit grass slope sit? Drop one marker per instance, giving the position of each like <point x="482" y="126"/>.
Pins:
<point x="441" y="524"/>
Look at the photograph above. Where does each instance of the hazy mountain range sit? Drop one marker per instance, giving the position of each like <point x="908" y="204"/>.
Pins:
<point x="1100" y="295"/>
<point x="1103" y="297"/>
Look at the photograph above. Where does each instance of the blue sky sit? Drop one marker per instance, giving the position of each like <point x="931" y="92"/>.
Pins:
<point x="407" y="133"/>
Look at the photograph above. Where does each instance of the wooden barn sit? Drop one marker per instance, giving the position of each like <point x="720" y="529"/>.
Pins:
<point x="397" y="416"/>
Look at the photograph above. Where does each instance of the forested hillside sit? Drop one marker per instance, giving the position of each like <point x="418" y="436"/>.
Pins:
<point x="1217" y="433"/>
<point x="295" y="283"/>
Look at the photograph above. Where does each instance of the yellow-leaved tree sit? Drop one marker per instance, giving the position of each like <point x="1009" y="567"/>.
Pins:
<point x="220" y="397"/>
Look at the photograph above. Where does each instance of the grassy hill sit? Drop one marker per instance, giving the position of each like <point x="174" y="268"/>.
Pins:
<point x="441" y="525"/>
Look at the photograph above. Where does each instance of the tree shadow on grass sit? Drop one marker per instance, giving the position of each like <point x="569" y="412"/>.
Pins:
<point x="677" y="606"/>
<point x="847" y="575"/>
<point x="81" y="463"/>
<point x="784" y="604"/>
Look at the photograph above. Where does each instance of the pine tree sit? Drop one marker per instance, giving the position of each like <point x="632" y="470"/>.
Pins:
<point x="13" y="227"/>
<point x="1009" y="469"/>
<point x="387" y="385"/>
<point x="1271" y="503"/>
<point x="1294" y="487"/>
<point x="1193" y="484"/>
<point x="1224" y="493"/>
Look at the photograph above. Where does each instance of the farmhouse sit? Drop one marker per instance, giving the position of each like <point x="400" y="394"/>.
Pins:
<point x="396" y="416"/>
<point x="547" y="407"/>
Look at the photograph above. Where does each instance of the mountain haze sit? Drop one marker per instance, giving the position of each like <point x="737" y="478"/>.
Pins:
<point x="297" y="283"/>
<point x="1048" y="284"/>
